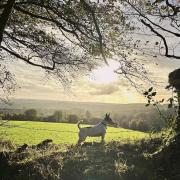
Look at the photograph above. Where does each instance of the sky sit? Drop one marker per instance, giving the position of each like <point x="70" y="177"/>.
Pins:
<point x="101" y="85"/>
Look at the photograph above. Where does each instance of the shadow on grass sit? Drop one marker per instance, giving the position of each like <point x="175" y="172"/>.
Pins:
<point x="91" y="161"/>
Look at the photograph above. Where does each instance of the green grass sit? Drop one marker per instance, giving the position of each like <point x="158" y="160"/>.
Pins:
<point x="20" y="132"/>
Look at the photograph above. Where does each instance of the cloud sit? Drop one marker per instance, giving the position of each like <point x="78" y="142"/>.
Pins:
<point x="34" y="85"/>
<point x="104" y="89"/>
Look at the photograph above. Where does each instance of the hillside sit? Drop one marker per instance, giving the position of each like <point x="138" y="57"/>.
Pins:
<point x="50" y="106"/>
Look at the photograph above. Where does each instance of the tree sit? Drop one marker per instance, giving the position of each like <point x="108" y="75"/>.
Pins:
<point x="160" y="19"/>
<point x="21" y="31"/>
<point x="73" y="118"/>
<point x="57" y="116"/>
<point x="30" y="114"/>
<point x="133" y="124"/>
<point x="88" y="115"/>
<point x="64" y="38"/>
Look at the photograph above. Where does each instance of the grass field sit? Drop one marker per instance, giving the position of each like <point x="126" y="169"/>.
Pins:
<point x="20" y="132"/>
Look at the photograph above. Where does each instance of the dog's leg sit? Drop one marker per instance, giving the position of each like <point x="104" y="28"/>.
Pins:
<point x="102" y="138"/>
<point x="81" y="140"/>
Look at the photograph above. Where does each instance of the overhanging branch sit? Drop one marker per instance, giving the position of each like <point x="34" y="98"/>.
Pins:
<point x="28" y="60"/>
<point x="163" y="39"/>
<point x="88" y="8"/>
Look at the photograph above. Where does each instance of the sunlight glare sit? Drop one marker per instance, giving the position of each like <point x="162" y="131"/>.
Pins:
<point x="105" y="74"/>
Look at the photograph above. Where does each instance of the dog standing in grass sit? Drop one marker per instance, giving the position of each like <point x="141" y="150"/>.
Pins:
<point x="94" y="131"/>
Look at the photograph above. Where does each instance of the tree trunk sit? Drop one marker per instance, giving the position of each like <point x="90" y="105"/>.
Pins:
<point x="178" y="118"/>
<point x="5" y="16"/>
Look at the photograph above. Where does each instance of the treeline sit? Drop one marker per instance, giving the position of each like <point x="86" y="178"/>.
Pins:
<point x="57" y="116"/>
<point x="32" y="115"/>
<point x="144" y="121"/>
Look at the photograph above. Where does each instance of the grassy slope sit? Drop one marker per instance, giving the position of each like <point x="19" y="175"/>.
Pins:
<point x="29" y="132"/>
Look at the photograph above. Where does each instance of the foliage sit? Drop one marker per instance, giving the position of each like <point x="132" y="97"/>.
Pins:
<point x="30" y="114"/>
<point x="72" y="118"/>
<point x="113" y="160"/>
<point x="169" y="118"/>
<point x="139" y="125"/>
<point x="56" y="117"/>
<point x="88" y="115"/>
<point x="165" y="27"/>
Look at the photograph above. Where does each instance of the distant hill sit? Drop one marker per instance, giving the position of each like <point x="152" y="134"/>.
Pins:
<point x="72" y="106"/>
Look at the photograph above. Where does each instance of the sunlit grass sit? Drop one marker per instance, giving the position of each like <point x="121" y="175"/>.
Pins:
<point x="20" y="132"/>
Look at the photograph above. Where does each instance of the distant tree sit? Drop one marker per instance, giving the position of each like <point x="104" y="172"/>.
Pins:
<point x="133" y="124"/>
<point x="94" y="120"/>
<point x="57" y="116"/>
<point x="73" y="118"/>
<point x="30" y="114"/>
<point x="88" y="115"/>
<point x="141" y="125"/>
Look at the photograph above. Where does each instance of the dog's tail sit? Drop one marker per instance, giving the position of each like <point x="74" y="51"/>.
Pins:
<point x="78" y="124"/>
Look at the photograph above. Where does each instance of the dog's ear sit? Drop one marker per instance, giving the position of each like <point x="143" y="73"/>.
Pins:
<point x="108" y="114"/>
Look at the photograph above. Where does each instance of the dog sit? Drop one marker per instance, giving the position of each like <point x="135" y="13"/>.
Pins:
<point x="94" y="131"/>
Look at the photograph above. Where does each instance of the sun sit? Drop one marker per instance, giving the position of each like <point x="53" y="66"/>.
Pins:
<point x="105" y="74"/>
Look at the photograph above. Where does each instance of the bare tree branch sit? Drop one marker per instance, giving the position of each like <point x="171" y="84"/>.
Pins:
<point x="163" y="39"/>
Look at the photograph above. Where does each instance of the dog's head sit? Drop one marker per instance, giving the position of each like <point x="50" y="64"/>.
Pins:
<point x="108" y="119"/>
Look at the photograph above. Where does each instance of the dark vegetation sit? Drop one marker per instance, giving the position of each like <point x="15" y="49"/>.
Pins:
<point x="138" y="161"/>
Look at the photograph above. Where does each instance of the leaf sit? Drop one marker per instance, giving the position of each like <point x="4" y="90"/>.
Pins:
<point x="170" y="100"/>
<point x="147" y="105"/>
<point x="145" y="93"/>
<point x="169" y="105"/>
<point x="162" y="100"/>
<point x="153" y="94"/>
<point x="156" y="43"/>
<point x="150" y="89"/>
<point x="168" y="86"/>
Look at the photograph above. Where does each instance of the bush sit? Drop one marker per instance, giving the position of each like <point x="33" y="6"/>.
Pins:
<point x="73" y="118"/>
<point x="30" y="114"/>
<point x="139" y="125"/>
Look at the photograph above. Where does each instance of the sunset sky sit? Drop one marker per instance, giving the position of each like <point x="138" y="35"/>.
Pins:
<point x="102" y="85"/>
